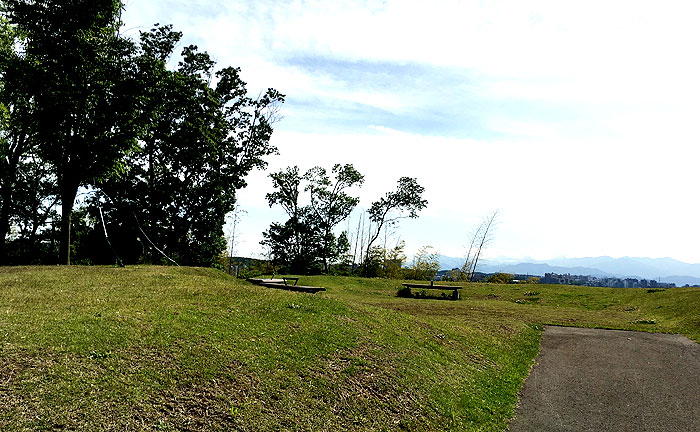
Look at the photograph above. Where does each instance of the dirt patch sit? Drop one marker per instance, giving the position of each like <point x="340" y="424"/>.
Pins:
<point x="367" y="392"/>
<point x="15" y="366"/>
<point x="202" y="404"/>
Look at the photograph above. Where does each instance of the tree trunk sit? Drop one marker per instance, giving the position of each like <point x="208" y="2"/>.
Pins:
<point x="69" y="190"/>
<point x="4" y="224"/>
<point x="10" y="176"/>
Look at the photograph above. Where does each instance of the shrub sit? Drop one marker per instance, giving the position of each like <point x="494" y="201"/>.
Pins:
<point x="499" y="278"/>
<point x="404" y="292"/>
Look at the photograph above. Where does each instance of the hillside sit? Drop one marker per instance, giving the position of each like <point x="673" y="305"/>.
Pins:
<point x="163" y="348"/>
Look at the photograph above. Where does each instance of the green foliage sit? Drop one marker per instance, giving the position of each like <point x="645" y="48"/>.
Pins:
<point x="499" y="278"/>
<point x="81" y="105"/>
<point x="256" y="268"/>
<point x="200" y="144"/>
<point x="404" y="292"/>
<point x="407" y="198"/>
<point x="373" y="264"/>
<point x="386" y="263"/>
<point x="27" y="189"/>
<point x="295" y="245"/>
<point x="84" y="91"/>
<point x="331" y="204"/>
<point x="306" y="244"/>
<point x="456" y="275"/>
<point x="394" y="260"/>
<point x="406" y="201"/>
<point x="426" y="263"/>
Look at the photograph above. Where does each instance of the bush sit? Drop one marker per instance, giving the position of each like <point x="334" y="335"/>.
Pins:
<point x="404" y="292"/>
<point x="426" y="263"/>
<point x="499" y="278"/>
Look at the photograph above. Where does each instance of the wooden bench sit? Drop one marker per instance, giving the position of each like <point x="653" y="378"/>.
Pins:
<point x="298" y="288"/>
<point x="281" y="283"/>
<point x="282" y="280"/>
<point x="455" y="292"/>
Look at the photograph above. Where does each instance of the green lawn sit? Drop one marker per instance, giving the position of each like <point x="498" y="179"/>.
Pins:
<point x="163" y="348"/>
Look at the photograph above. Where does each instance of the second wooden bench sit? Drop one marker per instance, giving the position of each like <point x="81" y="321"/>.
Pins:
<point x="455" y="292"/>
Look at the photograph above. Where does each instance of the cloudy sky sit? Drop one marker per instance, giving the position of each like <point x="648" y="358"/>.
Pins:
<point x="577" y="121"/>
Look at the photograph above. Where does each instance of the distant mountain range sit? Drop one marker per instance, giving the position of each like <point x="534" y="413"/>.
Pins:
<point x="659" y="269"/>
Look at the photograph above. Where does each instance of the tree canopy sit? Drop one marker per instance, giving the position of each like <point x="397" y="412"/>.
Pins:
<point x="165" y="149"/>
<point x="306" y="242"/>
<point x="405" y="202"/>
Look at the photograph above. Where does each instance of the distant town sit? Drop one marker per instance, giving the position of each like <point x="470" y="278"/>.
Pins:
<point x="569" y="279"/>
<point x="612" y="282"/>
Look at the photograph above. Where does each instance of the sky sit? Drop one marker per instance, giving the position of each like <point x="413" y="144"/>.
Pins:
<point x="576" y="121"/>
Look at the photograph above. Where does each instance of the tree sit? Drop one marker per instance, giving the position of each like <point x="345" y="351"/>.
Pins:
<point x="306" y="242"/>
<point x="289" y="244"/>
<point x="86" y="98"/>
<point x="344" y="259"/>
<point x="27" y="188"/>
<point x="426" y="263"/>
<point x="394" y="261"/>
<point x="500" y="278"/>
<point x="200" y="143"/>
<point x="295" y="245"/>
<point x="331" y="203"/>
<point x="15" y="134"/>
<point x="406" y="201"/>
<point x="480" y="238"/>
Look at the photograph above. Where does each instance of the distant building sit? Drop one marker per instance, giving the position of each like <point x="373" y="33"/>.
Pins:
<point x="611" y="282"/>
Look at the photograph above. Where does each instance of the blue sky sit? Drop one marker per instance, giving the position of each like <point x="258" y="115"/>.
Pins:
<point x="576" y="120"/>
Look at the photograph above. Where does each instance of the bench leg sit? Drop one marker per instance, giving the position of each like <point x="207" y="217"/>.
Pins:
<point x="455" y="295"/>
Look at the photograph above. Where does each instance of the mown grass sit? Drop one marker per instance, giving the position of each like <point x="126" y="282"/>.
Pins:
<point x="162" y="348"/>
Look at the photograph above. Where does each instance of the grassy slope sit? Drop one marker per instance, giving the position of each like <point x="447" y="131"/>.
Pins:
<point x="180" y="348"/>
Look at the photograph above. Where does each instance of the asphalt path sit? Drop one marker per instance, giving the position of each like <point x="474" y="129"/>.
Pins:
<point x="611" y="380"/>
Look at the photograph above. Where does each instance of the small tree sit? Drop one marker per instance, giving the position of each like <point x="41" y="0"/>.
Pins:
<point x="499" y="278"/>
<point x="342" y="259"/>
<point x="406" y="201"/>
<point x="480" y="238"/>
<point x="306" y="241"/>
<point x="331" y="203"/>
<point x="394" y="261"/>
<point x="426" y="263"/>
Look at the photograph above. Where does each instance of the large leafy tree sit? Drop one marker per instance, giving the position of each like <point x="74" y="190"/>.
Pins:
<point x="201" y="142"/>
<point x="15" y="135"/>
<point x="92" y="108"/>
<point x="27" y="189"/>
<point x="86" y="98"/>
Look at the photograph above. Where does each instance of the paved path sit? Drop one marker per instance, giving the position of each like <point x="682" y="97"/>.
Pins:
<point x="611" y="380"/>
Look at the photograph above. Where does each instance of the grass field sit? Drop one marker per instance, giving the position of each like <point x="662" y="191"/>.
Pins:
<point x="163" y="348"/>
